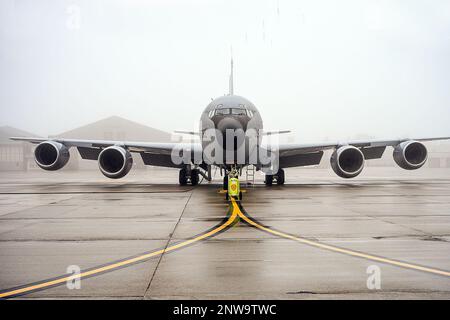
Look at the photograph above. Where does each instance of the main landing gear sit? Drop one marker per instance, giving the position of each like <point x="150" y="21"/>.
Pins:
<point x="225" y="182"/>
<point x="279" y="177"/>
<point x="186" y="176"/>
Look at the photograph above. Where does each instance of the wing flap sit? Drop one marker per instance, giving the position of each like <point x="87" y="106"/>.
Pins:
<point x="160" y="160"/>
<point x="89" y="153"/>
<point x="373" y="152"/>
<point x="301" y="160"/>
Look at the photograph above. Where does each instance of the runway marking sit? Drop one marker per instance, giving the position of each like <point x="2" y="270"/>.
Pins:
<point x="248" y="220"/>
<point x="236" y="213"/>
<point x="118" y="264"/>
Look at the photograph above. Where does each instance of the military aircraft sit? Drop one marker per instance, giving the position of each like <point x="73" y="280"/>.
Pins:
<point x="231" y="137"/>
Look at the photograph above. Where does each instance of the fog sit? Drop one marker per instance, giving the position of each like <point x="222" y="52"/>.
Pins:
<point x="324" y="69"/>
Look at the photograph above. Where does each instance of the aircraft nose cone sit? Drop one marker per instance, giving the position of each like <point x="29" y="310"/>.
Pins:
<point x="228" y="123"/>
<point x="234" y="141"/>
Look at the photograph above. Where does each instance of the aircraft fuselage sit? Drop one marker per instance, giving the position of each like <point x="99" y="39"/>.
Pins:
<point x="231" y="114"/>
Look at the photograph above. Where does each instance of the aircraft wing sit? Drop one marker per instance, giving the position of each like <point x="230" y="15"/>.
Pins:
<point x="152" y="153"/>
<point x="293" y="155"/>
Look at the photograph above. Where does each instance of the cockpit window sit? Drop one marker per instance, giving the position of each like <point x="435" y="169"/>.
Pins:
<point x="233" y="111"/>
<point x="221" y="112"/>
<point x="238" y="112"/>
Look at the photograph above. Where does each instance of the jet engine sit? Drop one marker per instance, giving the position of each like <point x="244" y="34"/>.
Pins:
<point x="347" y="161"/>
<point x="115" y="162"/>
<point x="51" y="155"/>
<point x="410" y="155"/>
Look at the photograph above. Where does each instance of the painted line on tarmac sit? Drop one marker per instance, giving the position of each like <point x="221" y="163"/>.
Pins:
<point x="240" y="211"/>
<point x="236" y="213"/>
<point x="95" y="271"/>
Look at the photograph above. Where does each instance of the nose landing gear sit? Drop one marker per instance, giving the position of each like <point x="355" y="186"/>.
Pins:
<point x="186" y="176"/>
<point x="225" y="182"/>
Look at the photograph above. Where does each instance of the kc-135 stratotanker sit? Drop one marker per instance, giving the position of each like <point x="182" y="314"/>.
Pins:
<point x="231" y="138"/>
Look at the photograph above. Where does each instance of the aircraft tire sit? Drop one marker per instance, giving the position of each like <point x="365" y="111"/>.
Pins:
<point x="225" y="182"/>
<point x="194" y="177"/>
<point x="280" y="177"/>
<point x="182" y="178"/>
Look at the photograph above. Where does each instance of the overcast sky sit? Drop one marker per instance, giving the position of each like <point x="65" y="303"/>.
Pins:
<point x="332" y="69"/>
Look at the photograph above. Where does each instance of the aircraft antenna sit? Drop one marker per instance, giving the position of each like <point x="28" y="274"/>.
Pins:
<point x="231" y="91"/>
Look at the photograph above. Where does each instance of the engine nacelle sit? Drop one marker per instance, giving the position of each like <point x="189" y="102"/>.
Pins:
<point x="410" y="155"/>
<point x="347" y="161"/>
<point x="51" y="155"/>
<point x="115" y="162"/>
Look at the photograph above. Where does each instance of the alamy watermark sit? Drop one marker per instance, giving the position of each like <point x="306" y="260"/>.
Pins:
<point x="74" y="281"/>
<point x="374" y="279"/>
<point x="73" y="21"/>
<point x="234" y="146"/>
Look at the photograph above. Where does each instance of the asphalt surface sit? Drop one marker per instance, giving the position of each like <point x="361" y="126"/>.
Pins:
<point x="145" y="237"/>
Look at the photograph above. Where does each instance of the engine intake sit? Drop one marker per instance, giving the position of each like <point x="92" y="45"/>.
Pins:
<point x="51" y="155"/>
<point x="347" y="161"/>
<point x="410" y="155"/>
<point x="115" y="162"/>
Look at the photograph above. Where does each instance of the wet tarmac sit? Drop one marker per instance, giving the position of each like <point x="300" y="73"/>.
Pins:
<point x="50" y="221"/>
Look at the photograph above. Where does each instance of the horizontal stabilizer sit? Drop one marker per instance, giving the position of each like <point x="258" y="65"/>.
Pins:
<point x="268" y="133"/>
<point x="192" y="133"/>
